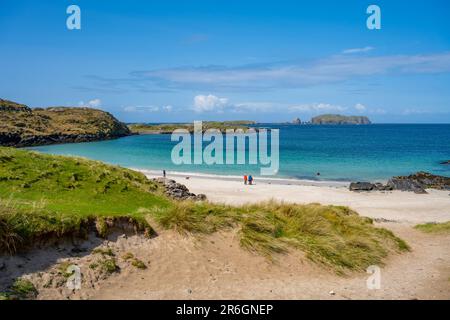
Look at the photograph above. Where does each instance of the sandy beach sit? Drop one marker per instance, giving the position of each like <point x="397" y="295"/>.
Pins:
<point x="398" y="206"/>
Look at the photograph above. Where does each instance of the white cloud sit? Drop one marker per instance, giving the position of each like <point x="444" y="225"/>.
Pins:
<point x="317" y="107"/>
<point x="167" y="108"/>
<point x="296" y="74"/>
<point x="203" y="103"/>
<point x="358" y="50"/>
<point x="360" y="107"/>
<point x="141" y="109"/>
<point x="255" y="106"/>
<point x="94" y="103"/>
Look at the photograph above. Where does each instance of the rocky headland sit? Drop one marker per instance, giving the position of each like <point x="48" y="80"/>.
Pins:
<point x="22" y="126"/>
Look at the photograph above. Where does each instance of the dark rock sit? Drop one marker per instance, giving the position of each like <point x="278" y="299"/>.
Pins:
<point x="420" y="181"/>
<point x="179" y="191"/>
<point x="398" y="183"/>
<point x="361" y="186"/>
<point x="381" y="187"/>
<point x="417" y="183"/>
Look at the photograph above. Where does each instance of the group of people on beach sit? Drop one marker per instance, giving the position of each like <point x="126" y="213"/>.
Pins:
<point x="248" y="179"/>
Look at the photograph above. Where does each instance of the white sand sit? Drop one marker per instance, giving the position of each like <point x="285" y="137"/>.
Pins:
<point x="398" y="206"/>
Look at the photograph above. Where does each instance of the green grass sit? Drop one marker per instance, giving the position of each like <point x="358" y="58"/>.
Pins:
<point x="20" y="289"/>
<point x="53" y="196"/>
<point x="104" y="252"/>
<point x="108" y="265"/>
<point x="76" y="186"/>
<point x="138" y="264"/>
<point x="43" y="196"/>
<point x="127" y="256"/>
<point x="441" y="228"/>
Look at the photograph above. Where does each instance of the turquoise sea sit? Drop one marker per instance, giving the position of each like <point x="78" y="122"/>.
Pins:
<point x="372" y="152"/>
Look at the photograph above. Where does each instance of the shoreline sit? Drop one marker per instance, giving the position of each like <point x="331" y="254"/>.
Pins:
<point x="394" y="206"/>
<point x="259" y="179"/>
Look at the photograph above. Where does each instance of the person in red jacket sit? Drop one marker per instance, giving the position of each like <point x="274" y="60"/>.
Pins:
<point x="245" y="179"/>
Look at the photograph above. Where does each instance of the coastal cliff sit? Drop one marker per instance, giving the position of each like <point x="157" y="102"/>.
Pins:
<point x="22" y="126"/>
<point x="340" y="119"/>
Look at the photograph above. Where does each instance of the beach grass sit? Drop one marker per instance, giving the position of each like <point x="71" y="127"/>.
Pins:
<point x="334" y="236"/>
<point x="432" y="227"/>
<point x="54" y="196"/>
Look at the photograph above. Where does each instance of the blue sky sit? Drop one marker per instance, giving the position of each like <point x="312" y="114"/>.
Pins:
<point x="163" y="61"/>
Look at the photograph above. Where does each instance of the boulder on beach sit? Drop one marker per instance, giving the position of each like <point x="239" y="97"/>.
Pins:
<point x="420" y="181"/>
<point x="361" y="186"/>
<point x="417" y="183"/>
<point x="179" y="191"/>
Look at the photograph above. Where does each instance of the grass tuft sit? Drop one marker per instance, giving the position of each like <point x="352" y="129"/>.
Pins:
<point x="138" y="263"/>
<point x="108" y="265"/>
<point x="23" y="289"/>
<point x="334" y="236"/>
<point x="432" y="227"/>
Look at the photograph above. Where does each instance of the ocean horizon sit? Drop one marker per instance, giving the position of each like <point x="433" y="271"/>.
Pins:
<point x="373" y="152"/>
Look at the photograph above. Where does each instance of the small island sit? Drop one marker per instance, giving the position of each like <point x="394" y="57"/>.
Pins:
<point x="340" y="119"/>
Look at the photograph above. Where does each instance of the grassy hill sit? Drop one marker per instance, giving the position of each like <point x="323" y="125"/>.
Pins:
<point x="168" y="128"/>
<point x="339" y="119"/>
<point x="23" y="126"/>
<point x="44" y="196"/>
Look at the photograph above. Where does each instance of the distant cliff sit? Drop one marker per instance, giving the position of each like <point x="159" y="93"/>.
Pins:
<point x="22" y="126"/>
<point x="339" y="119"/>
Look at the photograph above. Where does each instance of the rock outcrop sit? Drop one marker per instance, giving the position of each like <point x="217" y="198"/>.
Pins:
<point x="297" y="121"/>
<point x="417" y="183"/>
<point x="178" y="191"/>
<point x="339" y="119"/>
<point x="367" y="186"/>
<point x="22" y="126"/>
<point x="420" y="181"/>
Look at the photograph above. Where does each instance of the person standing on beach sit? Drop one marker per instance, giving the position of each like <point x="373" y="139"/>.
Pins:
<point x="164" y="173"/>
<point x="250" y="180"/>
<point x="245" y="179"/>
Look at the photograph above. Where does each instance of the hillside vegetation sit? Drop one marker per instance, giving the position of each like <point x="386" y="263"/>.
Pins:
<point x="22" y="126"/>
<point x="438" y="228"/>
<point x="43" y="196"/>
<point x="168" y="128"/>
<point x="339" y="119"/>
